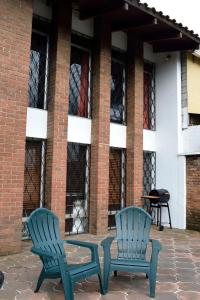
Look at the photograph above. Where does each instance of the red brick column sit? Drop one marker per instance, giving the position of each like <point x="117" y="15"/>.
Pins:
<point x="134" y="164"/>
<point x="56" y="161"/>
<point x="15" y="39"/>
<point x="99" y="179"/>
<point x="193" y="192"/>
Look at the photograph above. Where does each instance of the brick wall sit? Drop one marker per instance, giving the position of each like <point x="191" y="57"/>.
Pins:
<point x="193" y="192"/>
<point x="134" y="158"/>
<point x="58" y="101"/>
<point x="15" y="38"/>
<point x="99" y="174"/>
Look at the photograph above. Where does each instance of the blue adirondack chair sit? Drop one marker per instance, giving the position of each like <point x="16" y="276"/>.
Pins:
<point x="43" y="226"/>
<point x="133" y="227"/>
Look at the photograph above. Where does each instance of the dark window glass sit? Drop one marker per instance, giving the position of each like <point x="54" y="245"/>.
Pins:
<point x="149" y="120"/>
<point x="37" y="71"/>
<point x="149" y="171"/>
<point x="77" y="188"/>
<point x="79" y="83"/>
<point x="194" y="119"/>
<point x="117" y="92"/>
<point x="33" y="176"/>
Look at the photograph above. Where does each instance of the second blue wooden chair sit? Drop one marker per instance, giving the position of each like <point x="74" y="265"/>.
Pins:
<point x="133" y="228"/>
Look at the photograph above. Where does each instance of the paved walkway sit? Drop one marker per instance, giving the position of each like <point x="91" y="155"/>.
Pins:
<point x="178" y="273"/>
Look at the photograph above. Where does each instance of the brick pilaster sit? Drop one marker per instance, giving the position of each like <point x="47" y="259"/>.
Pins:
<point x="15" y="39"/>
<point x="134" y="164"/>
<point x="193" y="192"/>
<point x="58" y="102"/>
<point x="99" y="179"/>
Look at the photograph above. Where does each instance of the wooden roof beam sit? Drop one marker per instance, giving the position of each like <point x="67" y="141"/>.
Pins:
<point x="150" y="37"/>
<point x="178" y="45"/>
<point x="104" y="10"/>
<point x="167" y="38"/>
<point x="161" y="18"/>
<point x="135" y="25"/>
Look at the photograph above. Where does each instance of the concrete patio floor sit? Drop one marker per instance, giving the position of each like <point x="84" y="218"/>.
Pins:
<point x="178" y="272"/>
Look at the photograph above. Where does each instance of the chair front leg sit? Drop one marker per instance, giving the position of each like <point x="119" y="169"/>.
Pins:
<point x="66" y="281"/>
<point x="153" y="267"/>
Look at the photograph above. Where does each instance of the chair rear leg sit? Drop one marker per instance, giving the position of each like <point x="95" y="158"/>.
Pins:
<point x="40" y="281"/>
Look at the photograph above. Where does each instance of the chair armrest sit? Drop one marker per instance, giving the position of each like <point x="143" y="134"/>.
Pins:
<point x="92" y="246"/>
<point x="82" y="244"/>
<point x="156" y="245"/>
<point x="45" y="253"/>
<point x="106" y="243"/>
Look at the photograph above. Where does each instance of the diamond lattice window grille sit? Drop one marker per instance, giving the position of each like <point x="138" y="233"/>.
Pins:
<point x="38" y="71"/>
<point x="149" y="171"/>
<point x="77" y="188"/>
<point x="80" y="85"/>
<point x="116" y="184"/>
<point x="34" y="185"/>
<point x="149" y="114"/>
<point x="117" y="109"/>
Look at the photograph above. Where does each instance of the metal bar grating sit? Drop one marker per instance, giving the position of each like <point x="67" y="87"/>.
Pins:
<point x="38" y="71"/>
<point x="80" y="85"/>
<point x="117" y="109"/>
<point x="149" y="113"/>
<point x="34" y="180"/>
<point x="77" y="189"/>
<point x="149" y="171"/>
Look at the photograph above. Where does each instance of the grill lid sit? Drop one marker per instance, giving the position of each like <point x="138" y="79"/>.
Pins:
<point x="161" y="193"/>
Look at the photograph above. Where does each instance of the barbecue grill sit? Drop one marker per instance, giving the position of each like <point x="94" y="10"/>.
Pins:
<point x="162" y="194"/>
<point x="157" y="199"/>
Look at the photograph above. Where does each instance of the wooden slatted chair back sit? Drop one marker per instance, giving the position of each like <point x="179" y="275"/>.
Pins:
<point x="133" y="226"/>
<point x="43" y="226"/>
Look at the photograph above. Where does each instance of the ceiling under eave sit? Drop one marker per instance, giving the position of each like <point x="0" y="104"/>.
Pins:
<point x="143" y="22"/>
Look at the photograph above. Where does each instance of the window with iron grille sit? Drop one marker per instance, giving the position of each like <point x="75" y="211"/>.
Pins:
<point x="149" y="171"/>
<point x="38" y="71"/>
<point x="149" y="119"/>
<point x="77" y="188"/>
<point x="80" y="86"/>
<point x="116" y="184"/>
<point x="34" y="172"/>
<point x="117" y="109"/>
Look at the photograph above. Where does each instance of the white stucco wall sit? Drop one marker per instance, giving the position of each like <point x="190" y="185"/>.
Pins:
<point x="149" y="140"/>
<point x="83" y="26"/>
<point x="117" y="135"/>
<point x="79" y="130"/>
<point x="191" y="140"/>
<point x="170" y="166"/>
<point x="36" y="123"/>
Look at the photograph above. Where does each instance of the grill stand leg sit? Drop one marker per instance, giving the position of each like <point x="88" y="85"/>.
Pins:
<point x="170" y="222"/>
<point x="157" y="215"/>
<point x="160" y="223"/>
